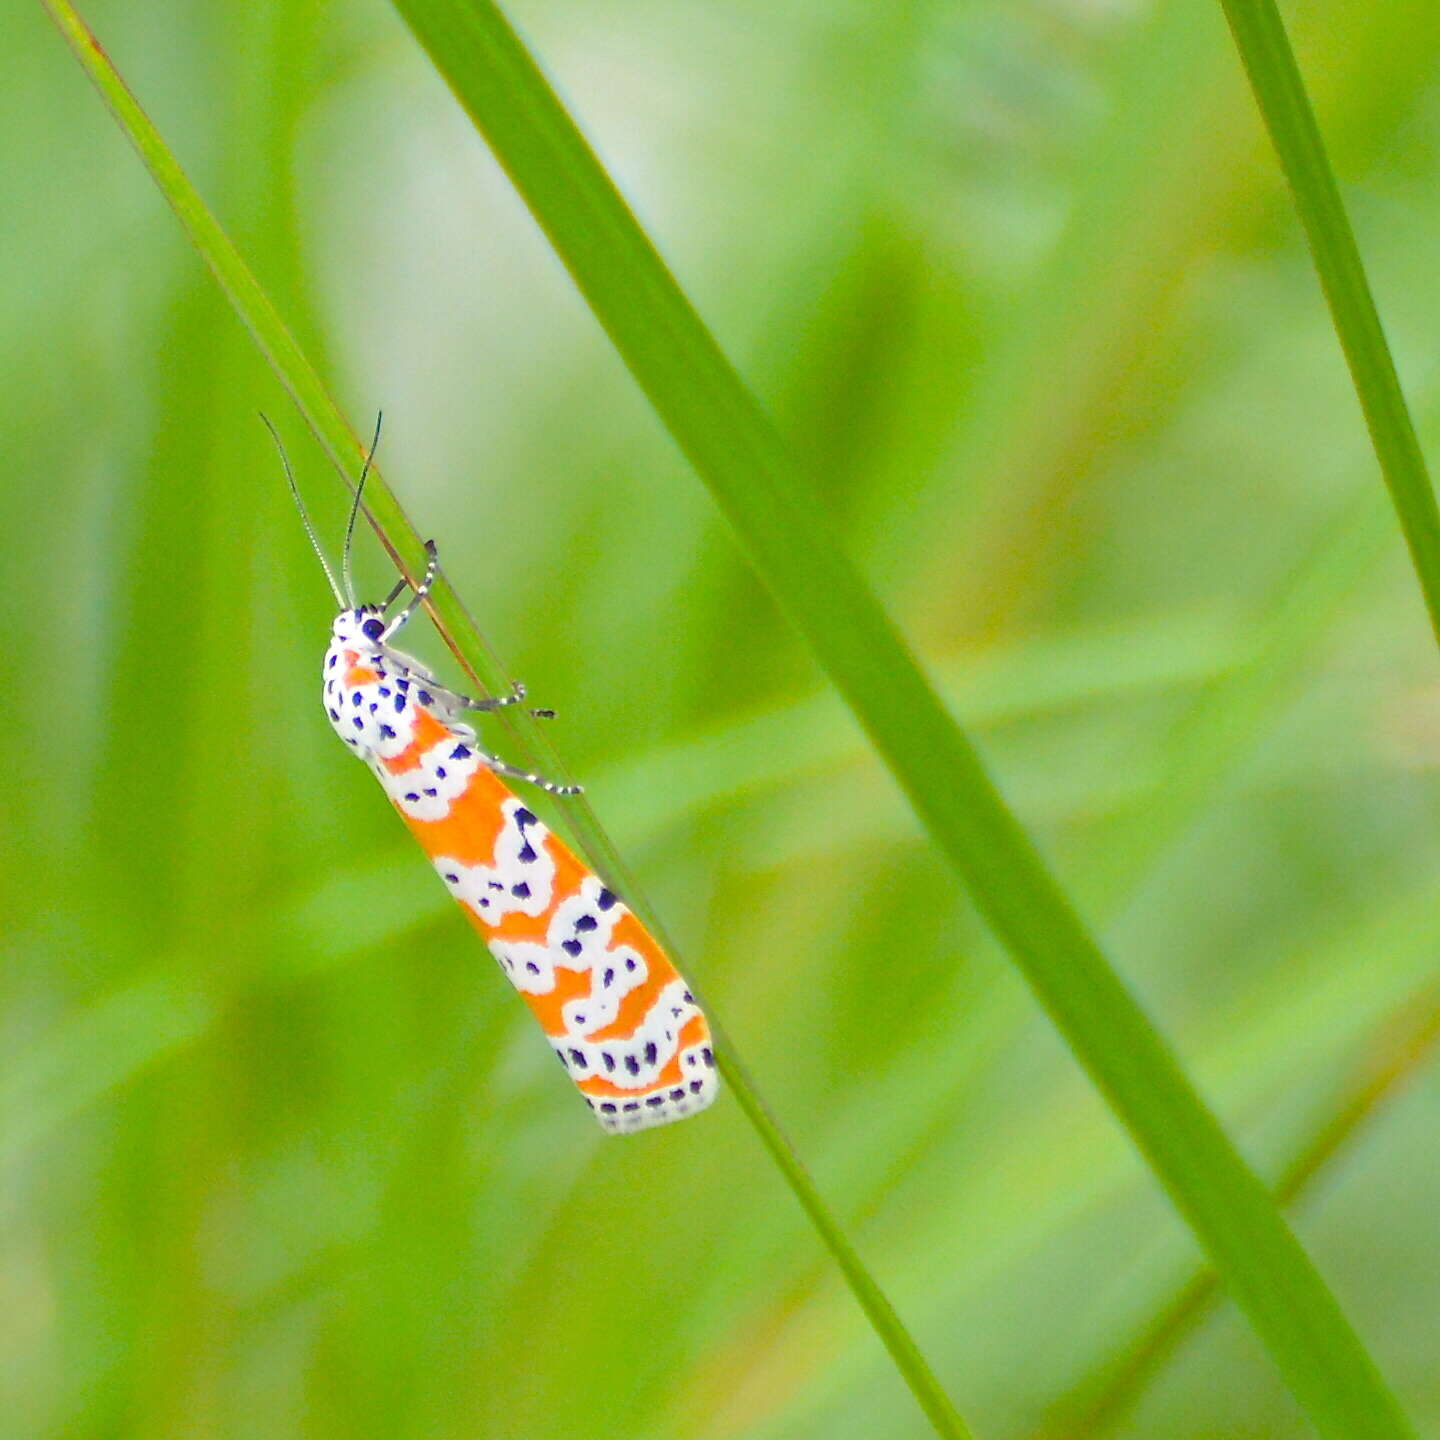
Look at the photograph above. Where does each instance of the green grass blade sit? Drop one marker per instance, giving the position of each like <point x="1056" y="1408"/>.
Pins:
<point x="786" y="532"/>
<point x="330" y="427"/>
<point x="1275" y="78"/>
<point x="1401" y="1045"/>
<point x="234" y="276"/>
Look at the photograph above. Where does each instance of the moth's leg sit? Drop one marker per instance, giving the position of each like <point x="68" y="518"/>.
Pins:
<point x="432" y="569"/>
<point x="407" y="667"/>
<point x="452" y="699"/>
<point x="401" y="585"/>
<point x="413" y="669"/>
<point x="497" y="702"/>
<point x="503" y="767"/>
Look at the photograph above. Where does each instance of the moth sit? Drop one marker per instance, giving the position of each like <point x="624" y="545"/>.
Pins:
<point x="618" y="1015"/>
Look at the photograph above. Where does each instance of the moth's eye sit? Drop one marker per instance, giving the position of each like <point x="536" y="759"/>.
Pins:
<point x="373" y="628"/>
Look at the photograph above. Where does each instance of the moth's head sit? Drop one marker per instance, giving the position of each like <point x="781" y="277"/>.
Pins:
<point x="359" y="628"/>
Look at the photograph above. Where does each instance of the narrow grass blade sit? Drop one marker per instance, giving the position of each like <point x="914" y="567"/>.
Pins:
<point x="331" y="429"/>
<point x="732" y="445"/>
<point x="1280" y="92"/>
<point x="241" y="288"/>
<point x="1402" y="1046"/>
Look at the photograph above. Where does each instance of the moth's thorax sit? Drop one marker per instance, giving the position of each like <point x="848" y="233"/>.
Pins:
<point x="371" y="707"/>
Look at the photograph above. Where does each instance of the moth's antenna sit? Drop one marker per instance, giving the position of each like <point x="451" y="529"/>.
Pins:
<point x="304" y="517"/>
<point x="355" y="510"/>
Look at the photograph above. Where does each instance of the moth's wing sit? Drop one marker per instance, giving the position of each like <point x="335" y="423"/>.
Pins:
<point x="616" y="1012"/>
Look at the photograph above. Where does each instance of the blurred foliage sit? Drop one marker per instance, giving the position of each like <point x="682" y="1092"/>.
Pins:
<point x="1023" y="286"/>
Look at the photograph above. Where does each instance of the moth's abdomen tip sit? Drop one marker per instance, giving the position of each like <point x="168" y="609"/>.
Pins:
<point x="648" y="1112"/>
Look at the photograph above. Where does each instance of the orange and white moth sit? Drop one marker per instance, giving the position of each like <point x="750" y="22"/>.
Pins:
<point x="616" y="1012"/>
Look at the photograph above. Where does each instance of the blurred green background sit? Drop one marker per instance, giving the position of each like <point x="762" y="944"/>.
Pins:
<point x="280" y="1155"/>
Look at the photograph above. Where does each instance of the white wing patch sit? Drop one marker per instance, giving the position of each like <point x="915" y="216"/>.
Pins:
<point x="522" y="879"/>
<point x="441" y="777"/>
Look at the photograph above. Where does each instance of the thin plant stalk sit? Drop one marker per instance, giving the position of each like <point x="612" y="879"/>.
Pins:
<point x="1289" y="117"/>
<point x="1403" y="1043"/>
<point x="403" y="542"/>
